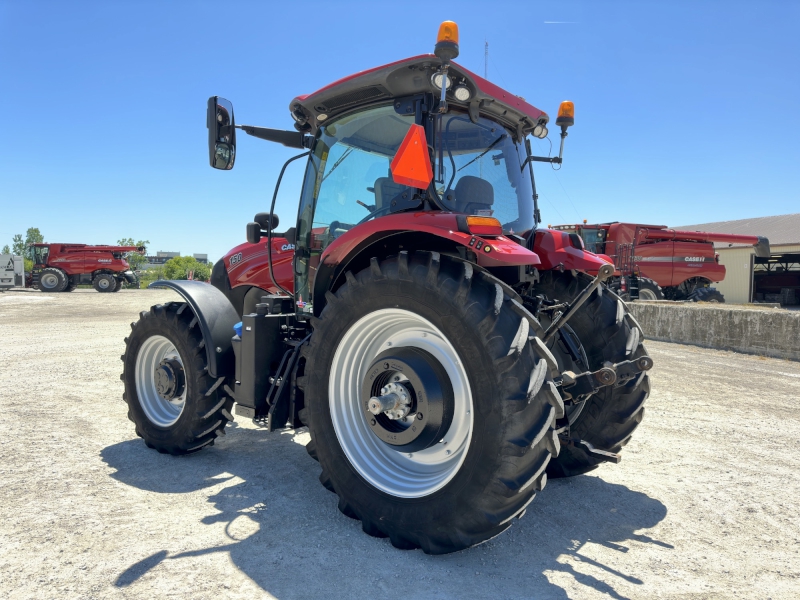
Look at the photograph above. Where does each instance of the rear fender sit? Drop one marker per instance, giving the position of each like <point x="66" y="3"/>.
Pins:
<point x="410" y="231"/>
<point x="556" y="251"/>
<point x="216" y="318"/>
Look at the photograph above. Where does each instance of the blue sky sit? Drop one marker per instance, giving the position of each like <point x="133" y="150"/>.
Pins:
<point x="686" y="112"/>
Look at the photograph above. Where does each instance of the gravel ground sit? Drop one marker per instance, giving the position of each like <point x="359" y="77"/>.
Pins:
<point x="704" y="504"/>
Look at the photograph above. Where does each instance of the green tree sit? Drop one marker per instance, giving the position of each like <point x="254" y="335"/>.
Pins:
<point x="33" y="236"/>
<point x="18" y="245"/>
<point x="6" y="249"/>
<point x="135" y="260"/>
<point x="180" y="266"/>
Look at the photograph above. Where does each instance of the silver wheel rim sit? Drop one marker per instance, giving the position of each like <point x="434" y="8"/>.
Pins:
<point x="400" y="474"/>
<point x="103" y="283"/>
<point x="49" y="281"/>
<point x="647" y="295"/>
<point x="159" y="411"/>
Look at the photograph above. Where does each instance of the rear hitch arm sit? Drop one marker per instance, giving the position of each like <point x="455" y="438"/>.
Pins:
<point x="561" y="319"/>
<point x="574" y="386"/>
<point x="595" y="453"/>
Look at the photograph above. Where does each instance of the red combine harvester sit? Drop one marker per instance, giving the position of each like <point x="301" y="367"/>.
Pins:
<point x="656" y="263"/>
<point x="446" y="353"/>
<point x="62" y="267"/>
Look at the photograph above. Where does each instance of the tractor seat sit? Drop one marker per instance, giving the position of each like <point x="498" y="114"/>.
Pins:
<point x="385" y="190"/>
<point x="473" y="194"/>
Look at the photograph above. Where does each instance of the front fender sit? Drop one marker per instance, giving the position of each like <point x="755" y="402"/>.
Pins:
<point x="216" y="318"/>
<point x="556" y="251"/>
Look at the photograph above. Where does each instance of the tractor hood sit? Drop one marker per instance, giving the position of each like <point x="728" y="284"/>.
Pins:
<point x="406" y="78"/>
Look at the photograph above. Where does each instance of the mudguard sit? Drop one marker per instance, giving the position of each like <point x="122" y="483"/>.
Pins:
<point x="216" y="318"/>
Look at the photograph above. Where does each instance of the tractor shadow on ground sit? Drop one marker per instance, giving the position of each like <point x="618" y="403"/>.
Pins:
<point x="282" y="530"/>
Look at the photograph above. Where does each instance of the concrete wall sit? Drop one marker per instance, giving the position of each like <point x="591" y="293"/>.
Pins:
<point x="765" y="332"/>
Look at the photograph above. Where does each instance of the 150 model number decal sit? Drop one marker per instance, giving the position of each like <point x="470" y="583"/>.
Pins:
<point x="236" y="258"/>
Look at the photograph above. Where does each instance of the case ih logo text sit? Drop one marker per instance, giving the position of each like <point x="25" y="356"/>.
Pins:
<point x="287" y="247"/>
<point x="236" y="258"/>
<point x="694" y="259"/>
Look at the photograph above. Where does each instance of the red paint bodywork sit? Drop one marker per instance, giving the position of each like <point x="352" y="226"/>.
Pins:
<point x="485" y="88"/>
<point x="667" y="256"/>
<point x="552" y="249"/>
<point x="253" y="266"/>
<point x="557" y="252"/>
<point x="78" y="259"/>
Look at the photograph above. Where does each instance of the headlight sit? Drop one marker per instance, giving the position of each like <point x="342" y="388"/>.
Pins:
<point x="436" y="80"/>
<point x="461" y="93"/>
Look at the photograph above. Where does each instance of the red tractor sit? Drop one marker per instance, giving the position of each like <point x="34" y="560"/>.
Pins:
<point x="446" y="354"/>
<point x="656" y="263"/>
<point x="62" y="267"/>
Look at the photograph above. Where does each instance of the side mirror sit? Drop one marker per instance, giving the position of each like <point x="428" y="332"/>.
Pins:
<point x="267" y="221"/>
<point x="221" y="133"/>
<point x="253" y="233"/>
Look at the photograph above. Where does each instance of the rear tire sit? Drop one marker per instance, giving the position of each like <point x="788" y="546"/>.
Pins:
<point x="607" y="332"/>
<point x="706" y="294"/>
<point x="52" y="280"/>
<point x="439" y="498"/>
<point x="118" y="285"/>
<point x="104" y="282"/>
<point x="197" y="412"/>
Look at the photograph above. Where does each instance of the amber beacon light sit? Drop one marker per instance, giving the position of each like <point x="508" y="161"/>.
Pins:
<point x="447" y="41"/>
<point x="566" y="114"/>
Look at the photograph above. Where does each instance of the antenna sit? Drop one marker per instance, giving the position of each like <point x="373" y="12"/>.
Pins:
<point x="486" y="60"/>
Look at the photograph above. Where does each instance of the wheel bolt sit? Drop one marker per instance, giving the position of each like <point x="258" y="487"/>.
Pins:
<point x="419" y="416"/>
<point x="373" y="422"/>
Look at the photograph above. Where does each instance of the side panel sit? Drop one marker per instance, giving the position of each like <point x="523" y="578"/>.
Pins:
<point x="693" y="259"/>
<point x="72" y="263"/>
<point x="655" y="261"/>
<point x="215" y="317"/>
<point x="248" y="265"/>
<point x="556" y="251"/>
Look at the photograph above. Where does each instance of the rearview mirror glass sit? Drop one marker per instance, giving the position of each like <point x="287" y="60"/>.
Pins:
<point x="221" y="133"/>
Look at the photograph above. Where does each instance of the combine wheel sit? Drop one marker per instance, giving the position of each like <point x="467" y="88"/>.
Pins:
<point x="52" y="280"/>
<point x="649" y="290"/>
<point x="70" y="287"/>
<point x="104" y="282"/>
<point x="608" y="418"/>
<point x="429" y="404"/>
<point x="176" y="406"/>
<point x="706" y="294"/>
<point x="117" y="285"/>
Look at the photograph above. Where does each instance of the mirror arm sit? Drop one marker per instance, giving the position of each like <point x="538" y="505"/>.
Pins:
<point x="290" y="139"/>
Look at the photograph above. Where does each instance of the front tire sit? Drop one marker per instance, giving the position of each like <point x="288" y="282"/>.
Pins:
<point x="52" y="280"/>
<point x="480" y="471"/>
<point x="649" y="290"/>
<point x="176" y="406"/>
<point x="607" y="333"/>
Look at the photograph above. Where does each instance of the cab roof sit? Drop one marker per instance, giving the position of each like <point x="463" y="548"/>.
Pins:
<point x="406" y="78"/>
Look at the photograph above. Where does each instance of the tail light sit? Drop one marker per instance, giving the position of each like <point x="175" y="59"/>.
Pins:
<point x="716" y="257"/>
<point x="479" y="225"/>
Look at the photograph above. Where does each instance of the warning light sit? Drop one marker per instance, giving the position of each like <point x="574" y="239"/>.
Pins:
<point x="566" y="114"/>
<point x="484" y="226"/>
<point x="412" y="165"/>
<point x="447" y="41"/>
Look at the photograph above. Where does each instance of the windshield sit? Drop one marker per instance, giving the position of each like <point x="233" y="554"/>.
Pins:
<point x="593" y="239"/>
<point x="479" y="171"/>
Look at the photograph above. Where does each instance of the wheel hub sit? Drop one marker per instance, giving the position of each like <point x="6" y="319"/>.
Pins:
<point x="169" y="379"/>
<point x="408" y="399"/>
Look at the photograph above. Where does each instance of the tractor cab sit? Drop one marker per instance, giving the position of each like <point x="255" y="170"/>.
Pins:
<point x="594" y="238"/>
<point x="40" y="254"/>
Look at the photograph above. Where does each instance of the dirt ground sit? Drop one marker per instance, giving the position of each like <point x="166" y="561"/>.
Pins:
<point x="704" y="503"/>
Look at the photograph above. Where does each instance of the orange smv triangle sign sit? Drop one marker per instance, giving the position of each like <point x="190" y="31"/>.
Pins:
<point x="412" y="165"/>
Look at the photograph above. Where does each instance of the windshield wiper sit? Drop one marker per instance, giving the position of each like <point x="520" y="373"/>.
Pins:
<point x="482" y="154"/>
<point x="338" y="162"/>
